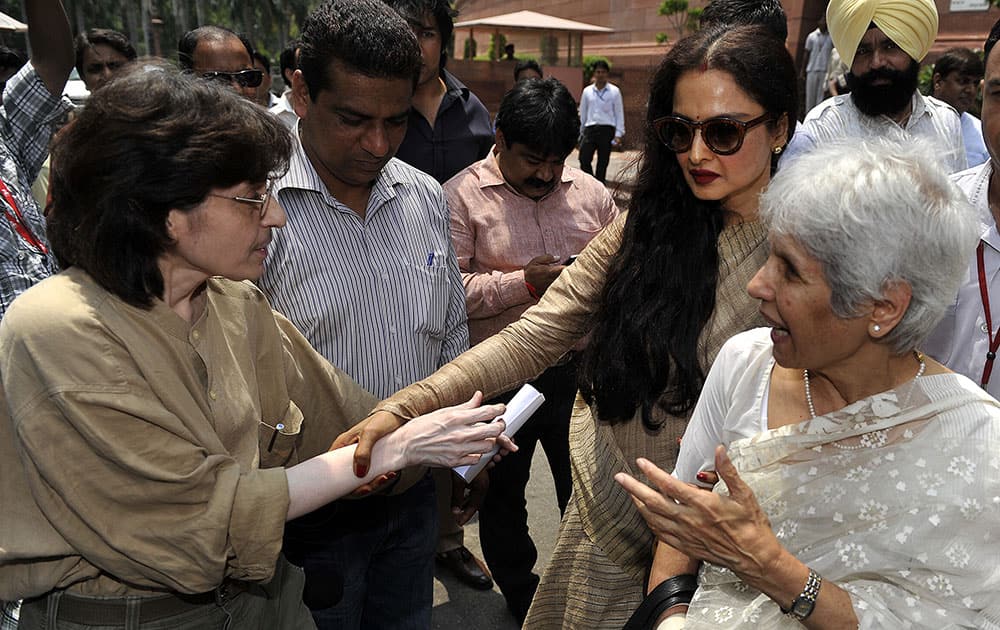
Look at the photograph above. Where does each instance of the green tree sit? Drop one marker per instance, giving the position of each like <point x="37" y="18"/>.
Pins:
<point x="497" y="43"/>
<point x="676" y="12"/>
<point x="470" y="49"/>
<point x="268" y="23"/>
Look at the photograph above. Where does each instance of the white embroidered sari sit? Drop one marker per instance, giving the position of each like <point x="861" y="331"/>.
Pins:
<point x="896" y="498"/>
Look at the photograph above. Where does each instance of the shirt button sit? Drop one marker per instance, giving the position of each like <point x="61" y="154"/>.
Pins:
<point x="392" y="329"/>
<point x="196" y="335"/>
<point x="983" y="328"/>
<point x="211" y="394"/>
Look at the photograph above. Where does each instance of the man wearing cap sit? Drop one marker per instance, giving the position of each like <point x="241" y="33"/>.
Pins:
<point x="882" y="42"/>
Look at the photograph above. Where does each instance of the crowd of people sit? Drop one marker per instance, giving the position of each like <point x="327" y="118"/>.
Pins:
<point x="246" y="336"/>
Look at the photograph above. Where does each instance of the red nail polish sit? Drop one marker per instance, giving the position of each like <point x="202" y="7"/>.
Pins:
<point x="702" y="476"/>
<point x="360" y="471"/>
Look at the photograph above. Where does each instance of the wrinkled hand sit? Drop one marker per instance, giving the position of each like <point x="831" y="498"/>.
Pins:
<point x="467" y="497"/>
<point x="448" y="437"/>
<point x="366" y="433"/>
<point x="541" y="271"/>
<point x="727" y="531"/>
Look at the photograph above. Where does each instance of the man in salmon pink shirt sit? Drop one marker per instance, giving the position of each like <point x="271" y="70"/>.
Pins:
<point x="517" y="217"/>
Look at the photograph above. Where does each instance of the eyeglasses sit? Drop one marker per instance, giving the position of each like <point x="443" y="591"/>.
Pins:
<point x="243" y="78"/>
<point x="723" y="135"/>
<point x="261" y="200"/>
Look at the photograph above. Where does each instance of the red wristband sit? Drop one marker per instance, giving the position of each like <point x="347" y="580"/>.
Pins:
<point x="532" y="291"/>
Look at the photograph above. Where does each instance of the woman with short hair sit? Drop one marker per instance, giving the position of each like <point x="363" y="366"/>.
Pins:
<point x="861" y="478"/>
<point x="160" y="422"/>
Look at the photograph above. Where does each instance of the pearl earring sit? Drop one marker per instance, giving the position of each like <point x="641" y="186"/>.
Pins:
<point x="876" y="328"/>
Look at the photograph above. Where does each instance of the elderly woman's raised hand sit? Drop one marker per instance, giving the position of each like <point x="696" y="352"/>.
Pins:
<point x="452" y="436"/>
<point x="727" y="531"/>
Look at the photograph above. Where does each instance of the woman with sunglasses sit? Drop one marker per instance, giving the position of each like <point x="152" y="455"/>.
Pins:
<point x="160" y="423"/>
<point x="660" y="290"/>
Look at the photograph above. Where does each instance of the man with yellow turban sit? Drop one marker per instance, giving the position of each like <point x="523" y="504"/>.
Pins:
<point x="883" y="42"/>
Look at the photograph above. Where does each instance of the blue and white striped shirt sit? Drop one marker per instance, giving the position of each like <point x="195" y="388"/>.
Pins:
<point x="381" y="297"/>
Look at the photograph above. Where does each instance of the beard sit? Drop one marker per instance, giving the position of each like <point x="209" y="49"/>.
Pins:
<point x="889" y="99"/>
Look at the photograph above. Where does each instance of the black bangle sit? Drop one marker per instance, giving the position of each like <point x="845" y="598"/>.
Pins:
<point x="684" y="583"/>
<point x="680" y="598"/>
<point x="677" y="590"/>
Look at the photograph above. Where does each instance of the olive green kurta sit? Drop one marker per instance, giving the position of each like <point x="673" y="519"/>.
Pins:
<point x="140" y="454"/>
<point x="597" y="572"/>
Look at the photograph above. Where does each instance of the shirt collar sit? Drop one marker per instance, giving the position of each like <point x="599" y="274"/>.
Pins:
<point x="455" y="88"/>
<point x="918" y="106"/>
<point x="302" y="175"/>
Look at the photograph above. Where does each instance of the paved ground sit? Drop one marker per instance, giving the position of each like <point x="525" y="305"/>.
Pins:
<point x="458" y="607"/>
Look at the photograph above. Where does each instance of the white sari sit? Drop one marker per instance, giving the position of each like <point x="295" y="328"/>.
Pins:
<point x="896" y="498"/>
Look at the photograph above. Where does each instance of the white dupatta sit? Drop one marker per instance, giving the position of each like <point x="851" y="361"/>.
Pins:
<point x="896" y="498"/>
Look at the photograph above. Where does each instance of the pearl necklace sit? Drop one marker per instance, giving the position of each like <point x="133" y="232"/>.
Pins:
<point x="809" y="398"/>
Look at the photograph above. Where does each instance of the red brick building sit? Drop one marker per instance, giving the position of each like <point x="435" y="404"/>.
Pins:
<point x="633" y="50"/>
<point x="637" y="23"/>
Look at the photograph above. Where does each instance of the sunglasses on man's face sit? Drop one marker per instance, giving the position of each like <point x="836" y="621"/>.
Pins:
<point x="723" y="135"/>
<point x="243" y="78"/>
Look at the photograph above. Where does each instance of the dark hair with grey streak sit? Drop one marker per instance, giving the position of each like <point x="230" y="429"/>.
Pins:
<point x="366" y="36"/>
<point x="413" y="11"/>
<point x="151" y="141"/>
<point x="540" y="114"/>
<point x="660" y="288"/>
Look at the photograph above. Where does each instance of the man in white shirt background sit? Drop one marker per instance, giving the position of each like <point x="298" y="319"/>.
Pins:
<point x="284" y="108"/>
<point x="967" y="339"/>
<point x="603" y="118"/>
<point x="819" y="45"/>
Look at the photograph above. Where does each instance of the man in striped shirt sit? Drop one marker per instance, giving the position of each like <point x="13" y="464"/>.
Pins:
<point x="366" y="270"/>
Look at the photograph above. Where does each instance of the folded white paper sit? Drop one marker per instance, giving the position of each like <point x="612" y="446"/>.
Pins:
<point x="521" y="407"/>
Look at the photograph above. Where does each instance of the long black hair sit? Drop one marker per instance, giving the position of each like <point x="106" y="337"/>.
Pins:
<point x="660" y="289"/>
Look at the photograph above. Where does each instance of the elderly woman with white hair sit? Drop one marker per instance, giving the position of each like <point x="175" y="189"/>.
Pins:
<point x="860" y="478"/>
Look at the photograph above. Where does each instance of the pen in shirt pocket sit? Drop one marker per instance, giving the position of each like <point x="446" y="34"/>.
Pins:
<point x="433" y="256"/>
<point x="278" y="428"/>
